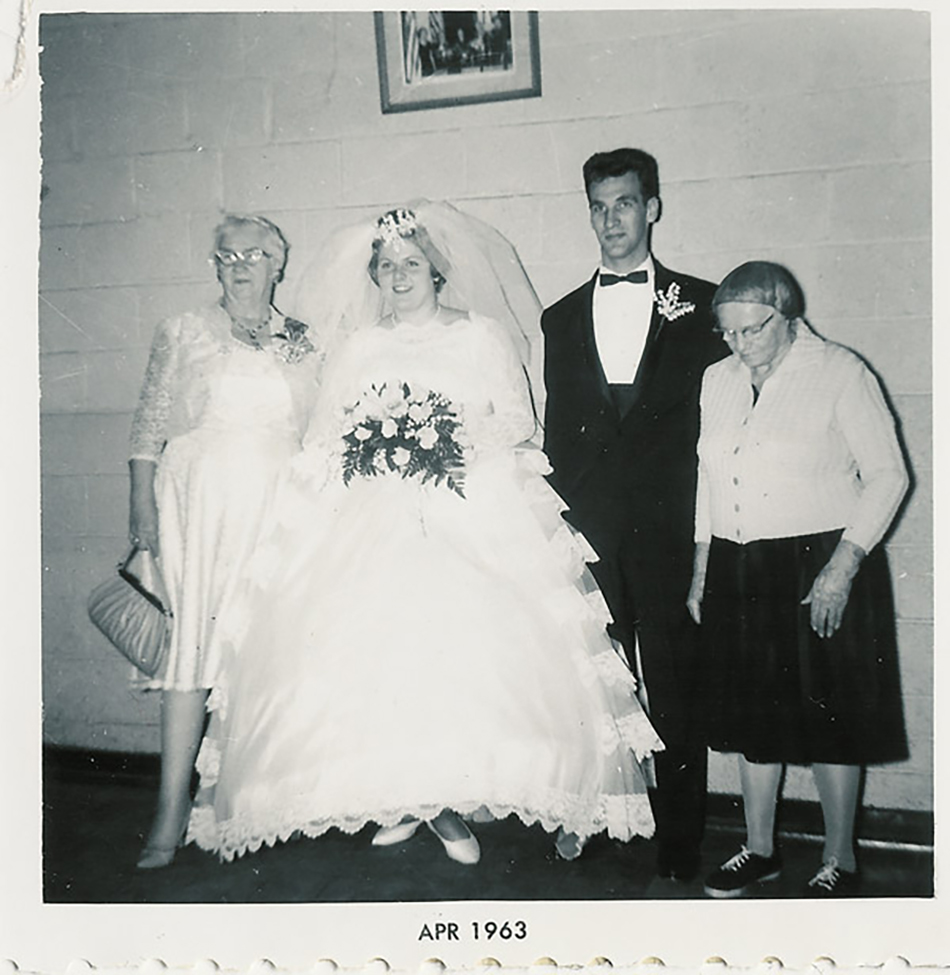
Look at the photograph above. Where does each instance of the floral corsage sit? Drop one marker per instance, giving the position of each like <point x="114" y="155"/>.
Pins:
<point x="668" y="303"/>
<point x="398" y="428"/>
<point x="292" y="344"/>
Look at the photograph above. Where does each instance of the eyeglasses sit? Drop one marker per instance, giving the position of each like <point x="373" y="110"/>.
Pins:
<point x="749" y="332"/>
<point x="253" y="255"/>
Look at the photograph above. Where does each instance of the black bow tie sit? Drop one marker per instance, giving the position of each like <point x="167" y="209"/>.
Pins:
<point x="634" y="277"/>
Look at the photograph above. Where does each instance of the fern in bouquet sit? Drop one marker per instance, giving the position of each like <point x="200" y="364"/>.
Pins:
<point x="405" y="430"/>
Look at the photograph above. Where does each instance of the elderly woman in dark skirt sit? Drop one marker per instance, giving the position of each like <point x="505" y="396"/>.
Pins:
<point x="800" y="475"/>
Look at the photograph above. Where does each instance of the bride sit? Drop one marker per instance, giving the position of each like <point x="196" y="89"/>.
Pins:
<point x="421" y="639"/>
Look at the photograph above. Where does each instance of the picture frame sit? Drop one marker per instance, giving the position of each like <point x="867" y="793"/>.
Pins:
<point x="439" y="59"/>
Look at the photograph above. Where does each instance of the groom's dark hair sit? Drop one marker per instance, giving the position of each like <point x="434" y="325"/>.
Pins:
<point x="601" y="165"/>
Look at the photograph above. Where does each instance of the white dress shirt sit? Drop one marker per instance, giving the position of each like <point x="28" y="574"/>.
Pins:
<point x="817" y="452"/>
<point x="622" y="313"/>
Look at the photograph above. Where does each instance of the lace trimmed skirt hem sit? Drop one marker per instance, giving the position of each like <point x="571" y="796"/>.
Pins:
<point x="622" y="817"/>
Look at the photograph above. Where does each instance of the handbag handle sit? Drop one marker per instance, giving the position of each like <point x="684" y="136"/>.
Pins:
<point x="148" y="582"/>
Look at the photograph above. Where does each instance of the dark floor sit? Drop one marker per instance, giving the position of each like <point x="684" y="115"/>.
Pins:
<point x="94" y="820"/>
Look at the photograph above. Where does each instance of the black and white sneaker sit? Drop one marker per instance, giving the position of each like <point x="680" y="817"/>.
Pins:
<point x="744" y="870"/>
<point x="832" y="881"/>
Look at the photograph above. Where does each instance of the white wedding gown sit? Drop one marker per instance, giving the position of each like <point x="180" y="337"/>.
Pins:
<point x="400" y="649"/>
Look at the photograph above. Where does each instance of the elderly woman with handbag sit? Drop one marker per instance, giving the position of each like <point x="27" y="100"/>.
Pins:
<point x="800" y="476"/>
<point x="226" y="398"/>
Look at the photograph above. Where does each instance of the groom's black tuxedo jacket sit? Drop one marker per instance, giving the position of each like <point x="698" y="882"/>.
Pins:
<point x="630" y="480"/>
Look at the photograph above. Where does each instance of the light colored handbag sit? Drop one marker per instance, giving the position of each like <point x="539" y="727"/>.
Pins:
<point x="132" y="611"/>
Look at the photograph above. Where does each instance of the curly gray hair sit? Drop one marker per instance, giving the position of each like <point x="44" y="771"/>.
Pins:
<point x="277" y="242"/>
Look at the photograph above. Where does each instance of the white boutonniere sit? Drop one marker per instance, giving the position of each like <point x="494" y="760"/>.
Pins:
<point x="669" y="305"/>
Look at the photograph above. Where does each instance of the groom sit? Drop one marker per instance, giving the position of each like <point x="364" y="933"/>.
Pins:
<point x="624" y="357"/>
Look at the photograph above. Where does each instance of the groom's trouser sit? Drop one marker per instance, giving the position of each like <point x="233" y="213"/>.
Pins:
<point x="646" y="593"/>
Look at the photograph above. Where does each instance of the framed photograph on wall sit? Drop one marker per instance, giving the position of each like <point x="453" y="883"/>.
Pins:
<point x="439" y="58"/>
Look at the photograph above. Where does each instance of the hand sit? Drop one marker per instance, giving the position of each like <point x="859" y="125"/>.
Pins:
<point x="622" y="654"/>
<point x="694" y="599"/>
<point x="143" y="524"/>
<point x="828" y="596"/>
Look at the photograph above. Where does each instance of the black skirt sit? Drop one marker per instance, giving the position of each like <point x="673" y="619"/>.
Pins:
<point x="778" y="692"/>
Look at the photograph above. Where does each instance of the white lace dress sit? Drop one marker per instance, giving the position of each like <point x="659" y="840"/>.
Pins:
<point x="402" y="649"/>
<point x="221" y="420"/>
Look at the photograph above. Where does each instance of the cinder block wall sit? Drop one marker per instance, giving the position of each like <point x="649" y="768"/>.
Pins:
<point x="799" y="136"/>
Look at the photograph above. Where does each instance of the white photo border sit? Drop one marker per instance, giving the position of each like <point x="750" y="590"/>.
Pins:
<point x="47" y="937"/>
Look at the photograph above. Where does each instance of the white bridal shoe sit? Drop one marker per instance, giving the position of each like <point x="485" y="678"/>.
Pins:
<point x="465" y="850"/>
<point x="391" y="835"/>
<point x="569" y="846"/>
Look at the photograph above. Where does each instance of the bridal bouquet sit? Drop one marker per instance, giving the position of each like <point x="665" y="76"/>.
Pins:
<point x="406" y="430"/>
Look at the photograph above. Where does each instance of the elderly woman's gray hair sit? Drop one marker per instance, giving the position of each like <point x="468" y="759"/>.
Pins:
<point x="276" y="241"/>
<point x="762" y="283"/>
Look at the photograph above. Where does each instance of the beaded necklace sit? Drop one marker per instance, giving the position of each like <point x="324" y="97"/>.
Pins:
<point x="252" y="332"/>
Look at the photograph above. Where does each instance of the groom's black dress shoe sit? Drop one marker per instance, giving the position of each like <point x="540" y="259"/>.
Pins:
<point x="682" y="866"/>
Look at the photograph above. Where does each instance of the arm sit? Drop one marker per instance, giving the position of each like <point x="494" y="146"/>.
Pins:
<point x="865" y="421"/>
<point x="547" y="373"/>
<point x="150" y="422"/>
<point x="868" y="427"/>
<point x="143" y="509"/>
<point x="694" y="599"/>
<point x="512" y="420"/>
<point x="147" y="439"/>
<point x="702" y="533"/>
<point x="702" y="519"/>
<point x="573" y="434"/>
